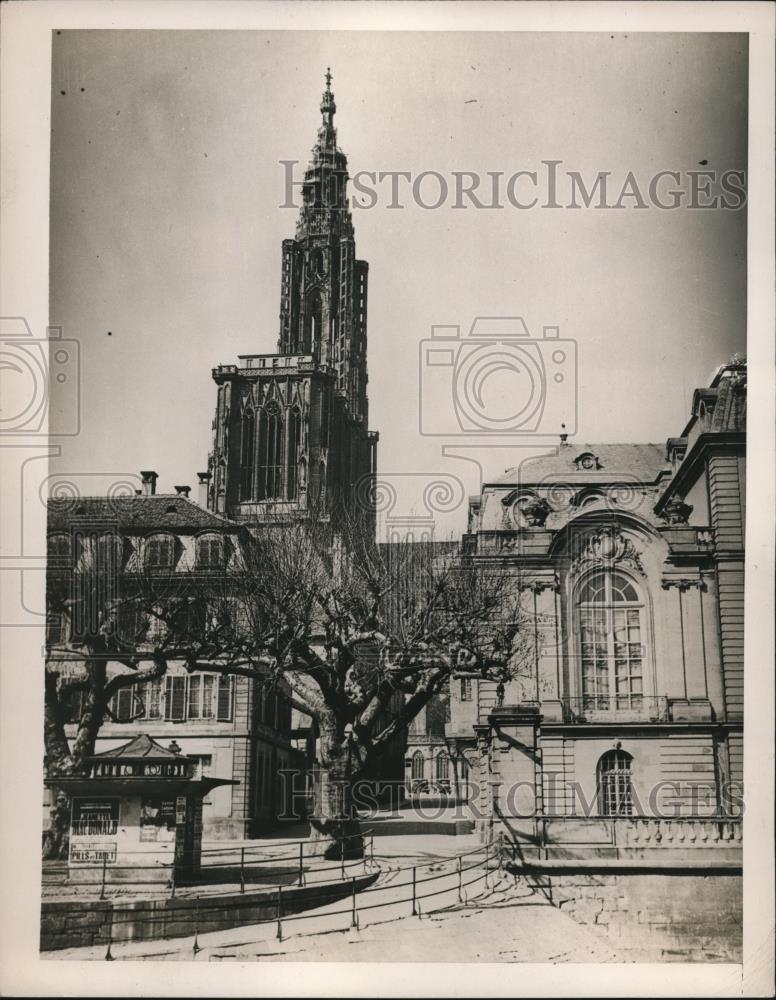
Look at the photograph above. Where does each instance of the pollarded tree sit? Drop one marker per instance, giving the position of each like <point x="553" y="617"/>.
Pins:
<point x="349" y="623"/>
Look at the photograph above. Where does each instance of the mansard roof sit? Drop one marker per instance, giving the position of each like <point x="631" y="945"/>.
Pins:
<point x="158" y="512"/>
<point x="645" y="462"/>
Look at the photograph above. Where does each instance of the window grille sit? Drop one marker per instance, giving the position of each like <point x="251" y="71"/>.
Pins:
<point x="614" y="784"/>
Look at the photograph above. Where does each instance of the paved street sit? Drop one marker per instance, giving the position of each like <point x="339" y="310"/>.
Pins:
<point x="498" y="919"/>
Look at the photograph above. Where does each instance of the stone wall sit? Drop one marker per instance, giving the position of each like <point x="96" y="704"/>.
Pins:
<point x="651" y="917"/>
<point x="86" y="922"/>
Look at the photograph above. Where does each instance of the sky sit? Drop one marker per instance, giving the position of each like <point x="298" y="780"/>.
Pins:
<point x="166" y="224"/>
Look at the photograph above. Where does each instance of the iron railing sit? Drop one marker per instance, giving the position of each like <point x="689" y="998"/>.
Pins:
<point x="616" y="708"/>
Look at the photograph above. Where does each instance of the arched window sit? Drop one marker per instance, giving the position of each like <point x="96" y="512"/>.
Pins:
<point x="247" y="453"/>
<point x="314" y="323"/>
<point x="270" y="453"/>
<point x="292" y="452"/>
<point x="210" y="552"/>
<point x="614" y="784"/>
<point x="610" y="615"/>
<point x="322" y="485"/>
<point x="417" y="766"/>
<point x="442" y="767"/>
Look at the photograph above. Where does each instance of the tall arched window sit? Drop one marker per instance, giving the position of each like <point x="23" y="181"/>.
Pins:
<point x="270" y="453"/>
<point x="417" y="766"/>
<point x="247" y="453"/>
<point x="614" y="784"/>
<point x="314" y="323"/>
<point x="442" y="767"/>
<point x="292" y="452"/>
<point x="610" y="613"/>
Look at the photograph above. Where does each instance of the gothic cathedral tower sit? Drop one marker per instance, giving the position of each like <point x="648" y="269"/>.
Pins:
<point x="290" y="434"/>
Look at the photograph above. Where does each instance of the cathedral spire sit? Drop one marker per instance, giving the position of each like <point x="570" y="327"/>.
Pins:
<point x="327" y="136"/>
<point x="325" y="209"/>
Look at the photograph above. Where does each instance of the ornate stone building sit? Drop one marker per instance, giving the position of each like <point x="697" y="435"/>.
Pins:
<point x="630" y="560"/>
<point x="290" y="433"/>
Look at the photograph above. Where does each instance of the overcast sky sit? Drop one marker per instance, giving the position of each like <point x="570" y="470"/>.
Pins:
<point x="166" y="227"/>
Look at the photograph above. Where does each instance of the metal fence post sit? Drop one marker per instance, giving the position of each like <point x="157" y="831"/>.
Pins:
<point x="280" y="913"/>
<point x="414" y="906"/>
<point x="242" y="869"/>
<point x="342" y="860"/>
<point x="353" y="916"/>
<point x="102" y="888"/>
<point x="301" y="862"/>
<point x="487" y="864"/>
<point x="460" y="875"/>
<point x="195" y="946"/>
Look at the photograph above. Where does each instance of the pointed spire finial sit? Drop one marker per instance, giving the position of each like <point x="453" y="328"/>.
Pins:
<point x="328" y="77"/>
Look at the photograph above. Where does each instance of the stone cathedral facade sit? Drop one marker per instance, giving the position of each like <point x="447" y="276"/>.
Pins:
<point x="291" y="430"/>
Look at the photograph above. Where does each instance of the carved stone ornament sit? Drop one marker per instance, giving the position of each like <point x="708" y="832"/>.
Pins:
<point x="676" y="511"/>
<point x="535" y="511"/>
<point x="683" y="583"/>
<point x="607" y="547"/>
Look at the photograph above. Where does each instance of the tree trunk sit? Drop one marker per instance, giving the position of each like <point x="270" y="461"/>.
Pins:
<point x="335" y="829"/>
<point x="56" y="840"/>
<point x="62" y="759"/>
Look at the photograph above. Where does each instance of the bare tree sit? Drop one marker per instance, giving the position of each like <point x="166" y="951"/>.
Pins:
<point x="112" y="630"/>
<point x="350" y="624"/>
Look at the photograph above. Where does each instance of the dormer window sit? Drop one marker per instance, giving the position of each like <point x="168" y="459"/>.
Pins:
<point x="60" y="551"/>
<point x="109" y="553"/>
<point x="160" y="552"/>
<point x="210" y="552"/>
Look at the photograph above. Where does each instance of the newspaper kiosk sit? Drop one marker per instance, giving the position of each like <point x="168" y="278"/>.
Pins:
<point x="137" y="815"/>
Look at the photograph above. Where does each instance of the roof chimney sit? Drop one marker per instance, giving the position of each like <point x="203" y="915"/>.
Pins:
<point x="149" y="483"/>
<point x="183" y="491"/>
<point x="204" y="482"/>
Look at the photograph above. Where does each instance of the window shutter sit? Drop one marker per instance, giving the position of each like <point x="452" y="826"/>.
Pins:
<point x="152" y="699"/>
<point x="122" y="703"/>
<point x="175" y="704"/>
<point x="224" y="711"/>
<point x="208" y="696"/>
<point x="195" y="685"/>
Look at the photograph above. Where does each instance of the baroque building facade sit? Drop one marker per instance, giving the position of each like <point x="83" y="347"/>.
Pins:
<point x="630" y="561"/>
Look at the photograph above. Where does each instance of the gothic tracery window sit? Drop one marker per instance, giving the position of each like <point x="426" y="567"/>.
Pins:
<point x="610" y="618"/>
<point x="292" y="452"/>
<point x="270" y="452"/>
<point x="247" y="453"/>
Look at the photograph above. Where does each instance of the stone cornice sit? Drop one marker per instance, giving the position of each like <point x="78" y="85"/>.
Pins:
<point x="687" y="472"/>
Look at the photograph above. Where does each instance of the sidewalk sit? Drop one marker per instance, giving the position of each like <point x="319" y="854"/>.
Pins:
<point x="506" y="919"/>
